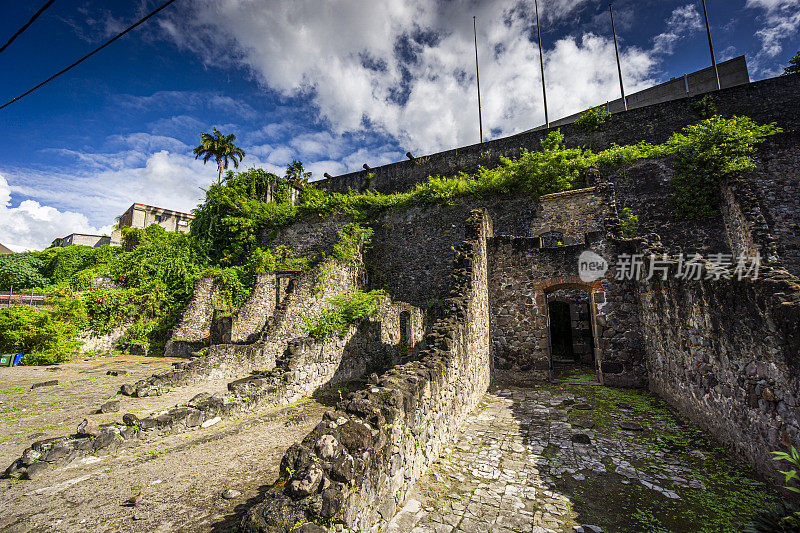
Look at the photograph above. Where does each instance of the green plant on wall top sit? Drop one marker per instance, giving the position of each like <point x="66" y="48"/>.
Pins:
<point x="794" y="65"/>
<point x="594" y="119"/>
<point x="708" y="152"/>
<point x="705" y="107"/>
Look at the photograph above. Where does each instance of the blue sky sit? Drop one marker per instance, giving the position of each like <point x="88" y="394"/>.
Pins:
<point x="333" y="83"/>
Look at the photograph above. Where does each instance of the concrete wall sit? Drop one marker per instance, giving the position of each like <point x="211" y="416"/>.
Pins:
<point x="775" y="99"/>
<point x="732" y="72"/>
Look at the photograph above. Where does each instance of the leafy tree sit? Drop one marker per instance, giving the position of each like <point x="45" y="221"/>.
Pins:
<point x="221" y="148"/>
<point x="794" y="65"/>
<point x="229" y="224"/>
<point x="21" y="271"/>
<point x="296" y="173"/>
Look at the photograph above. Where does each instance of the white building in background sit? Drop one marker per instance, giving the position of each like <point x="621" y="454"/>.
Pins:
<point x="142" y="215"/>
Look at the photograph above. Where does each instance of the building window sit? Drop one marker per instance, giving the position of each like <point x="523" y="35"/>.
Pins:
<point x="158" y="218"/>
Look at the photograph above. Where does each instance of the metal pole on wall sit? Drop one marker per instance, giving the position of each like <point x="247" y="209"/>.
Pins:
<point x="477" y="76"/>
<point x="541" y="63"/>
<point x="616" y="51"/>
<point x="711" y="44"/>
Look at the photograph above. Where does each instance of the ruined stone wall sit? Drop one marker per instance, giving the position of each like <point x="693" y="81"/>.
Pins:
<point x="520" y="276"/>
<point x="308" y="298"/>
<point x="777" y="190"/>
<point x="726" y="353"/>
<point x="775" y="99"/>
<point x="309" y="237"/>
<point x="572" y="214"/>
<point x="646" y="188"/>
<point x="194" y="329"/>
<point x="361" y="461"/>
<point x="249" y="320"/>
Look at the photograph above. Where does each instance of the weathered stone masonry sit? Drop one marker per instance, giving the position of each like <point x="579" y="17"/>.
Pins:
<point x="360" y="462"/>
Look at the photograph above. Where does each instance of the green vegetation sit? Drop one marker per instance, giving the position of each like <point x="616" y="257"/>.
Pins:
<point x="794" y="65"/>
<point x="732" y="495"/>
<point x="157" y="270"/>
<point x="594" y="119"/>
<point x="707" y="153"/>
<point x="793" y="458"/>
<point x="705" y="107"/>
<point x="348" y="309"/>
<point x="628" y="222"/>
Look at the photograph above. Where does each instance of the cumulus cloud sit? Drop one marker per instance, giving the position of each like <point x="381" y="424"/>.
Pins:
<point x="780" y="21"/>
<point x="405" y="69"/>
<point x="32" y="226"/>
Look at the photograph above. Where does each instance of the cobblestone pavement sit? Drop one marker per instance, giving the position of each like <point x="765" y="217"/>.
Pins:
<point x="516" y="460"/>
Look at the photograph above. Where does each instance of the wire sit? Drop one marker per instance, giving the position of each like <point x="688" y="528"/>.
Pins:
<point x="25" y="27"/>
<point x="90" y="54"/>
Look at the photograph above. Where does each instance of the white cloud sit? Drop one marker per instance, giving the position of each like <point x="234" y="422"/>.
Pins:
<point x="406" y="68"/>
<point x="780" y="21"/>
<point x="32" y="226"/>
<point x="683" y="20"/>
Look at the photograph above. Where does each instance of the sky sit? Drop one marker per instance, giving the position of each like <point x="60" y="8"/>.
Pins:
<point x="334" y="83"/>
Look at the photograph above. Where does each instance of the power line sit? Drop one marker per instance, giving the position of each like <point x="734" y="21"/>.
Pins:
<point x="25" y="27"/>
<point x="90" y="54"/>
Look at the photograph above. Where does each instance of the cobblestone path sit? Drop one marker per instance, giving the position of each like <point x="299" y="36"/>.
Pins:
<point x="530" y="460"/>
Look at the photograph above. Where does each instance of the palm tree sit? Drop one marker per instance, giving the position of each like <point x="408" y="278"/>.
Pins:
<point x="221" y="148"/>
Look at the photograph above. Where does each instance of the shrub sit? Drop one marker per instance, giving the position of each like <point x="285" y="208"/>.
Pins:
<point x="351" y="237"/>
<point x="705" y="107"/>
<point x="349" y="309"/>
<point x="628" y="222"/>
<point x="21" y="271"/>
<point x="709" y="151"/>
<point x="594" y="119"/>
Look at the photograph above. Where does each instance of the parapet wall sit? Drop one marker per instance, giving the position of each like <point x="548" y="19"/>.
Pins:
<point x="360" y="462"/>
<point x="774" y="99"/>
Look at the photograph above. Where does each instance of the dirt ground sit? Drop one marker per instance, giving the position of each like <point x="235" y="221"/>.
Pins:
<point x="83" y="386"/>
<point x="181" y="476"/>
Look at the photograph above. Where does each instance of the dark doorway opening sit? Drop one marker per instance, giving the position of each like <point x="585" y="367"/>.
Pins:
<point x="560" y="332"/>
<point x="570" y="320"/>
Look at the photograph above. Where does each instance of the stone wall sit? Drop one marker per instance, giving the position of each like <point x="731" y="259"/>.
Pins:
<point x="774" y="99"/>
<point x="570" y="214"/>
<point x="105" y="342"/>
<point x="308" y="298"/>
<point x="726" y="353"/>
<point x="194" y="329"/>
<point x="646" y="188"/>
<point x="521" y="274"/>
<point x="249" y="320"/>
<point x="777" y="191"/>
<point x="360" y="462"/>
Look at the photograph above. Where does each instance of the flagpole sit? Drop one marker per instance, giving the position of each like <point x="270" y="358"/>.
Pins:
<point x="541" y="64"/>
<point x="477" y="76"/>
<point x="616" y="51"/>
<point x="711" y="45"/>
